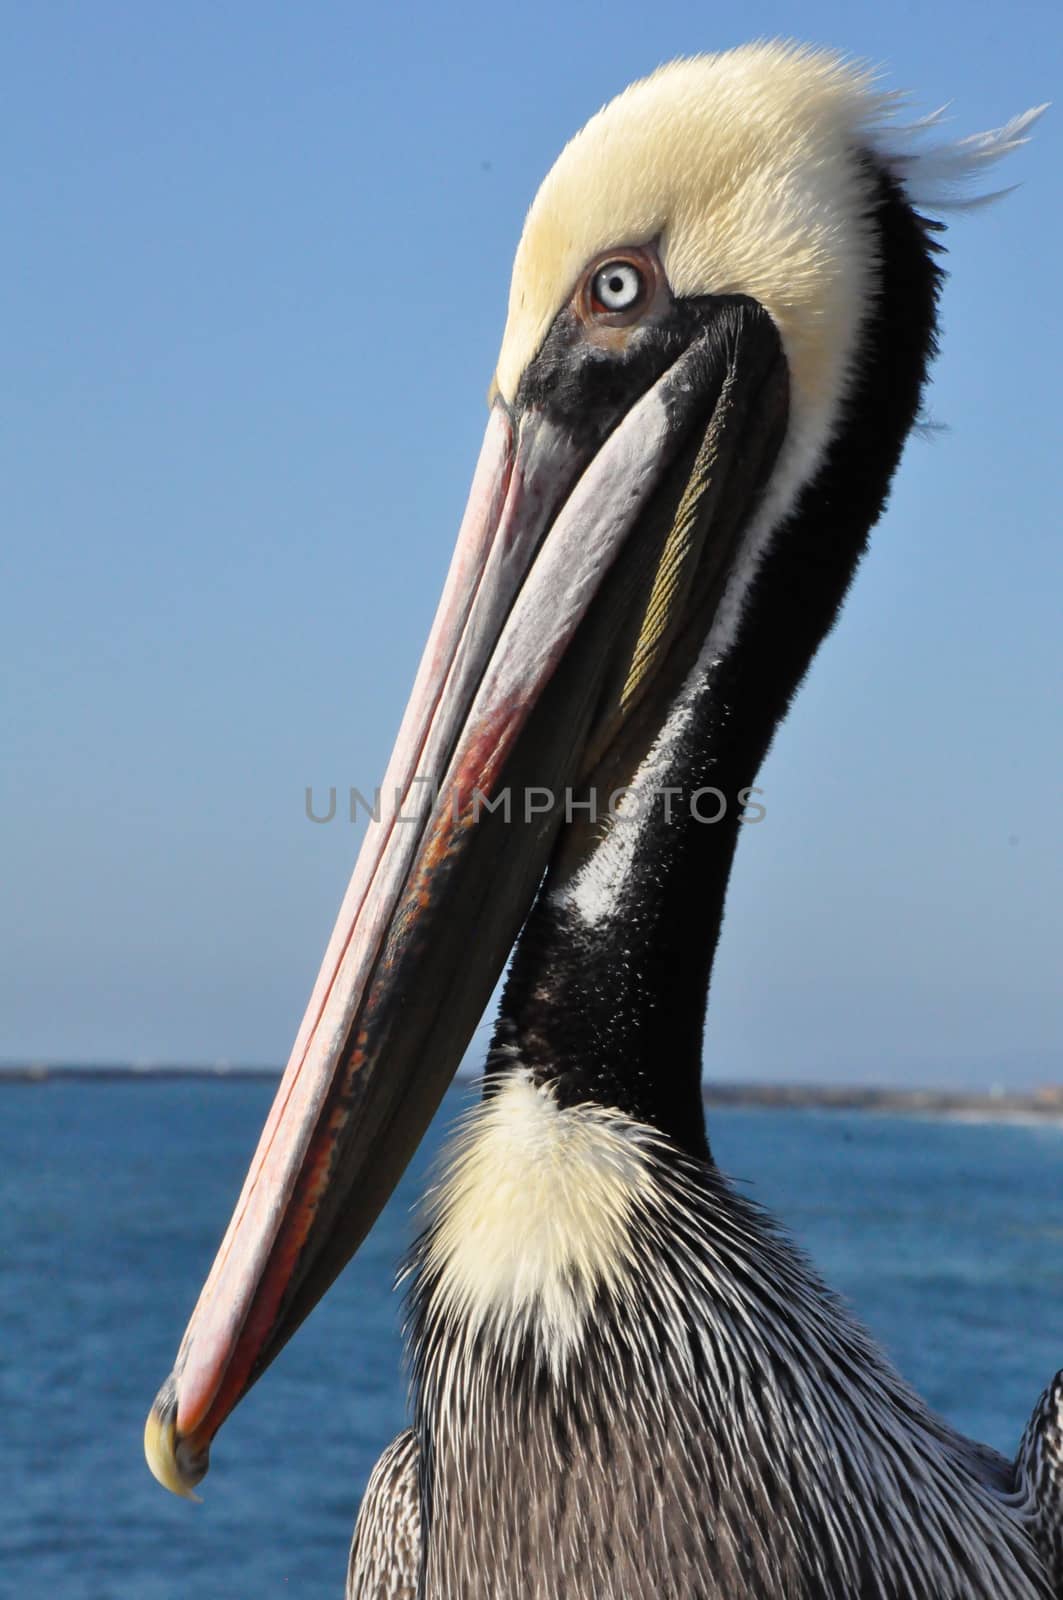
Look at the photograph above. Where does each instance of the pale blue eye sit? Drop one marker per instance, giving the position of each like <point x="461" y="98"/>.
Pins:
<point x="617" y="286"/>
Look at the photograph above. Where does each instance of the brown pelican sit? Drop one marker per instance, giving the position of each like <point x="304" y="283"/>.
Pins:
<point x="627" y="1382"/>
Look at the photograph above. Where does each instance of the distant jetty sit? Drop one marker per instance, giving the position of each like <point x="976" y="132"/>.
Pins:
<point x="1044" y="1104"/>
<point x="126" y="1072"/>
<point x="1041" y="1104"/>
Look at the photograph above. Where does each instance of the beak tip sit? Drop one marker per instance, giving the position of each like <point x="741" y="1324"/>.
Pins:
<point x="171" y="1459"/>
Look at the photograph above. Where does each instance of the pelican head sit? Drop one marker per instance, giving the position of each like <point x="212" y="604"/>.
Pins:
<point x="721" y="313"/>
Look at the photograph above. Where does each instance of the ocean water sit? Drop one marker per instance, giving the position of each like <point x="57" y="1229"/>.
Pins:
<point x="948" y="1238"/>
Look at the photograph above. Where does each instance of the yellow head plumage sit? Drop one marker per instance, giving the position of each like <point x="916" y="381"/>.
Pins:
<point x="749" y="170"/>
<point x="745" y="168"/>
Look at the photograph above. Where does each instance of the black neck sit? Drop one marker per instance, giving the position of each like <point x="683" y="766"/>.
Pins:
<point x="612" y="1010"/>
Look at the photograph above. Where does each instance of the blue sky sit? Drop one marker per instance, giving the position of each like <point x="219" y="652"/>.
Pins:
<point x="256" y="266"/>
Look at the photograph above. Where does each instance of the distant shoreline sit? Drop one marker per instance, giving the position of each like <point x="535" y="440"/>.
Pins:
<point x="1040" y="1105"/>
<point x="60" y="1072"/>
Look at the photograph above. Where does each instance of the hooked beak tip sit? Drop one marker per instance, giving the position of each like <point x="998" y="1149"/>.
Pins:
<point x="175" y="1462"/>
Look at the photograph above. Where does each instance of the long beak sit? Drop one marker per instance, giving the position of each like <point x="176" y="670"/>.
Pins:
<point x="548" y="628"/>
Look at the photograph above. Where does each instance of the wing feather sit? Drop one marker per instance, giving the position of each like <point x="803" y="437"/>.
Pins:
<point x="386" y="1548"/>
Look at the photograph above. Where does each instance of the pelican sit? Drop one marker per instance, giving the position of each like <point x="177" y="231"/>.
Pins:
<point x="626" y="1380"/>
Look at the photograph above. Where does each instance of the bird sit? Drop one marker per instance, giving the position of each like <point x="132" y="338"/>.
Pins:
<point x="627" y="1380"/>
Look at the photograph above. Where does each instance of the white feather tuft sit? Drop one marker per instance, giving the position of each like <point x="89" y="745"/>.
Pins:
<point x="532" y="1215"/>
<point x="936" y="176"/>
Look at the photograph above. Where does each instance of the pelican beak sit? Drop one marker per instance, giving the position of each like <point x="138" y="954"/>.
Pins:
<point x="591" y="557"/>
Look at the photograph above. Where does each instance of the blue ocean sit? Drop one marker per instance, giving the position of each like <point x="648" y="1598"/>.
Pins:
<point x="947" y="1237"/>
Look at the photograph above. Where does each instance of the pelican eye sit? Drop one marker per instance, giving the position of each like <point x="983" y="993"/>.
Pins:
<point x="617" y="286"/>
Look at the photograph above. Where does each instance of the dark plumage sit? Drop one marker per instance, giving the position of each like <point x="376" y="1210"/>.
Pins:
<point x="725" y="1432"/>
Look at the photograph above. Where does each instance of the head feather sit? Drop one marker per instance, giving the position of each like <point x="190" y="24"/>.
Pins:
<point x="750" y="170"/>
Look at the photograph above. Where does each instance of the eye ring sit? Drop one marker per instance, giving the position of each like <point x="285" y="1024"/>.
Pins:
<point x="617" y="287"/>
<point x="620" y="287"/>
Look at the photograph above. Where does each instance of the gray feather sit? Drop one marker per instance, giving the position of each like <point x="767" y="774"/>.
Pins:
<point x="385" y="1550"/>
